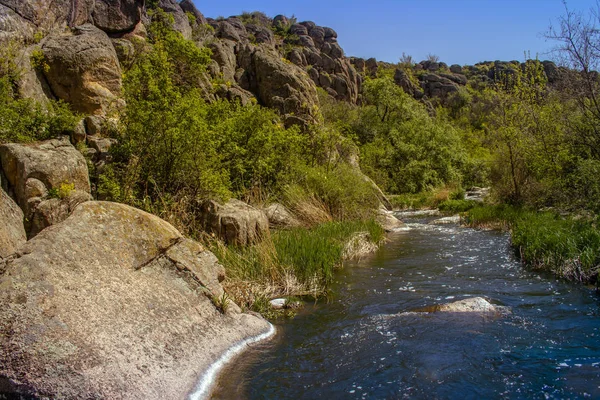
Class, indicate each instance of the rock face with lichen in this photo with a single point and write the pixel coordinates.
(33, 170)
(83, 69)
(113, 303)
(310, 48)
(12, 231)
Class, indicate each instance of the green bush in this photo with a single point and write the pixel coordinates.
(412, 201)
(23, 120)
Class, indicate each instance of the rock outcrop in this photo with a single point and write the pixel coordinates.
(282, 86)
(115, 16)
(180, 18)
(12, 231)
(32, 170)
(113, 303)
(83, 69)
(235, 222)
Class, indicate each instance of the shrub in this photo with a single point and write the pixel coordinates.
(38, 61)
(24, 120)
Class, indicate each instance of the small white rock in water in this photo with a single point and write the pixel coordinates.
(472, 305)
(278, 304)
(455, 219)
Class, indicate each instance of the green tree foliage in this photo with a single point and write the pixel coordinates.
(402, 147)
(172, 143)
(172, 140)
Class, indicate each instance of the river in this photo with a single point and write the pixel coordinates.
(363, 342)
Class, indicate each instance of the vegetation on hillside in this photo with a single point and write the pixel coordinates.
(535, 143)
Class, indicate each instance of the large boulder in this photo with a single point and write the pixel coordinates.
(12, 231)
(235, 222)
(32, 170)
(83, 69)
(388, 220)
(113, 303)
(117, 15)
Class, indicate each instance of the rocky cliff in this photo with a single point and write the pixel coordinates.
(277, 61)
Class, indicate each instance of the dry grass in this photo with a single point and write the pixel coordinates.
(359, 246)
(306, 207)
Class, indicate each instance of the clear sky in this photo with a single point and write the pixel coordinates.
(458, 31)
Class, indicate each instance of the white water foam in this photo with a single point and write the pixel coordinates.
(207, 380)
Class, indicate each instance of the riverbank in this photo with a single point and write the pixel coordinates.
(293, 263)
(366, 340)
(566, 245)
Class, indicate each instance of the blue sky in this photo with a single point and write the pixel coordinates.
(458, 31)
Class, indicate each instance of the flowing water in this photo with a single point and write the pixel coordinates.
(364, 343)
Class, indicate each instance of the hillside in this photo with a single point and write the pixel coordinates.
(164, 176)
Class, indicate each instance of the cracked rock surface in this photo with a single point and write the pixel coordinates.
(113, 303)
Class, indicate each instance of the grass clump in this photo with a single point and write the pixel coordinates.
(566, 246)
(296, 262)
(456, 206)
(317, 252)
(427, 199)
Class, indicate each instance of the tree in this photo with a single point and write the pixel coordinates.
(389, 99)
(578, 48)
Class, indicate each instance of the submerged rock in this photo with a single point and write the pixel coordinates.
(113, 303)
(477, 194)
(454, 219)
